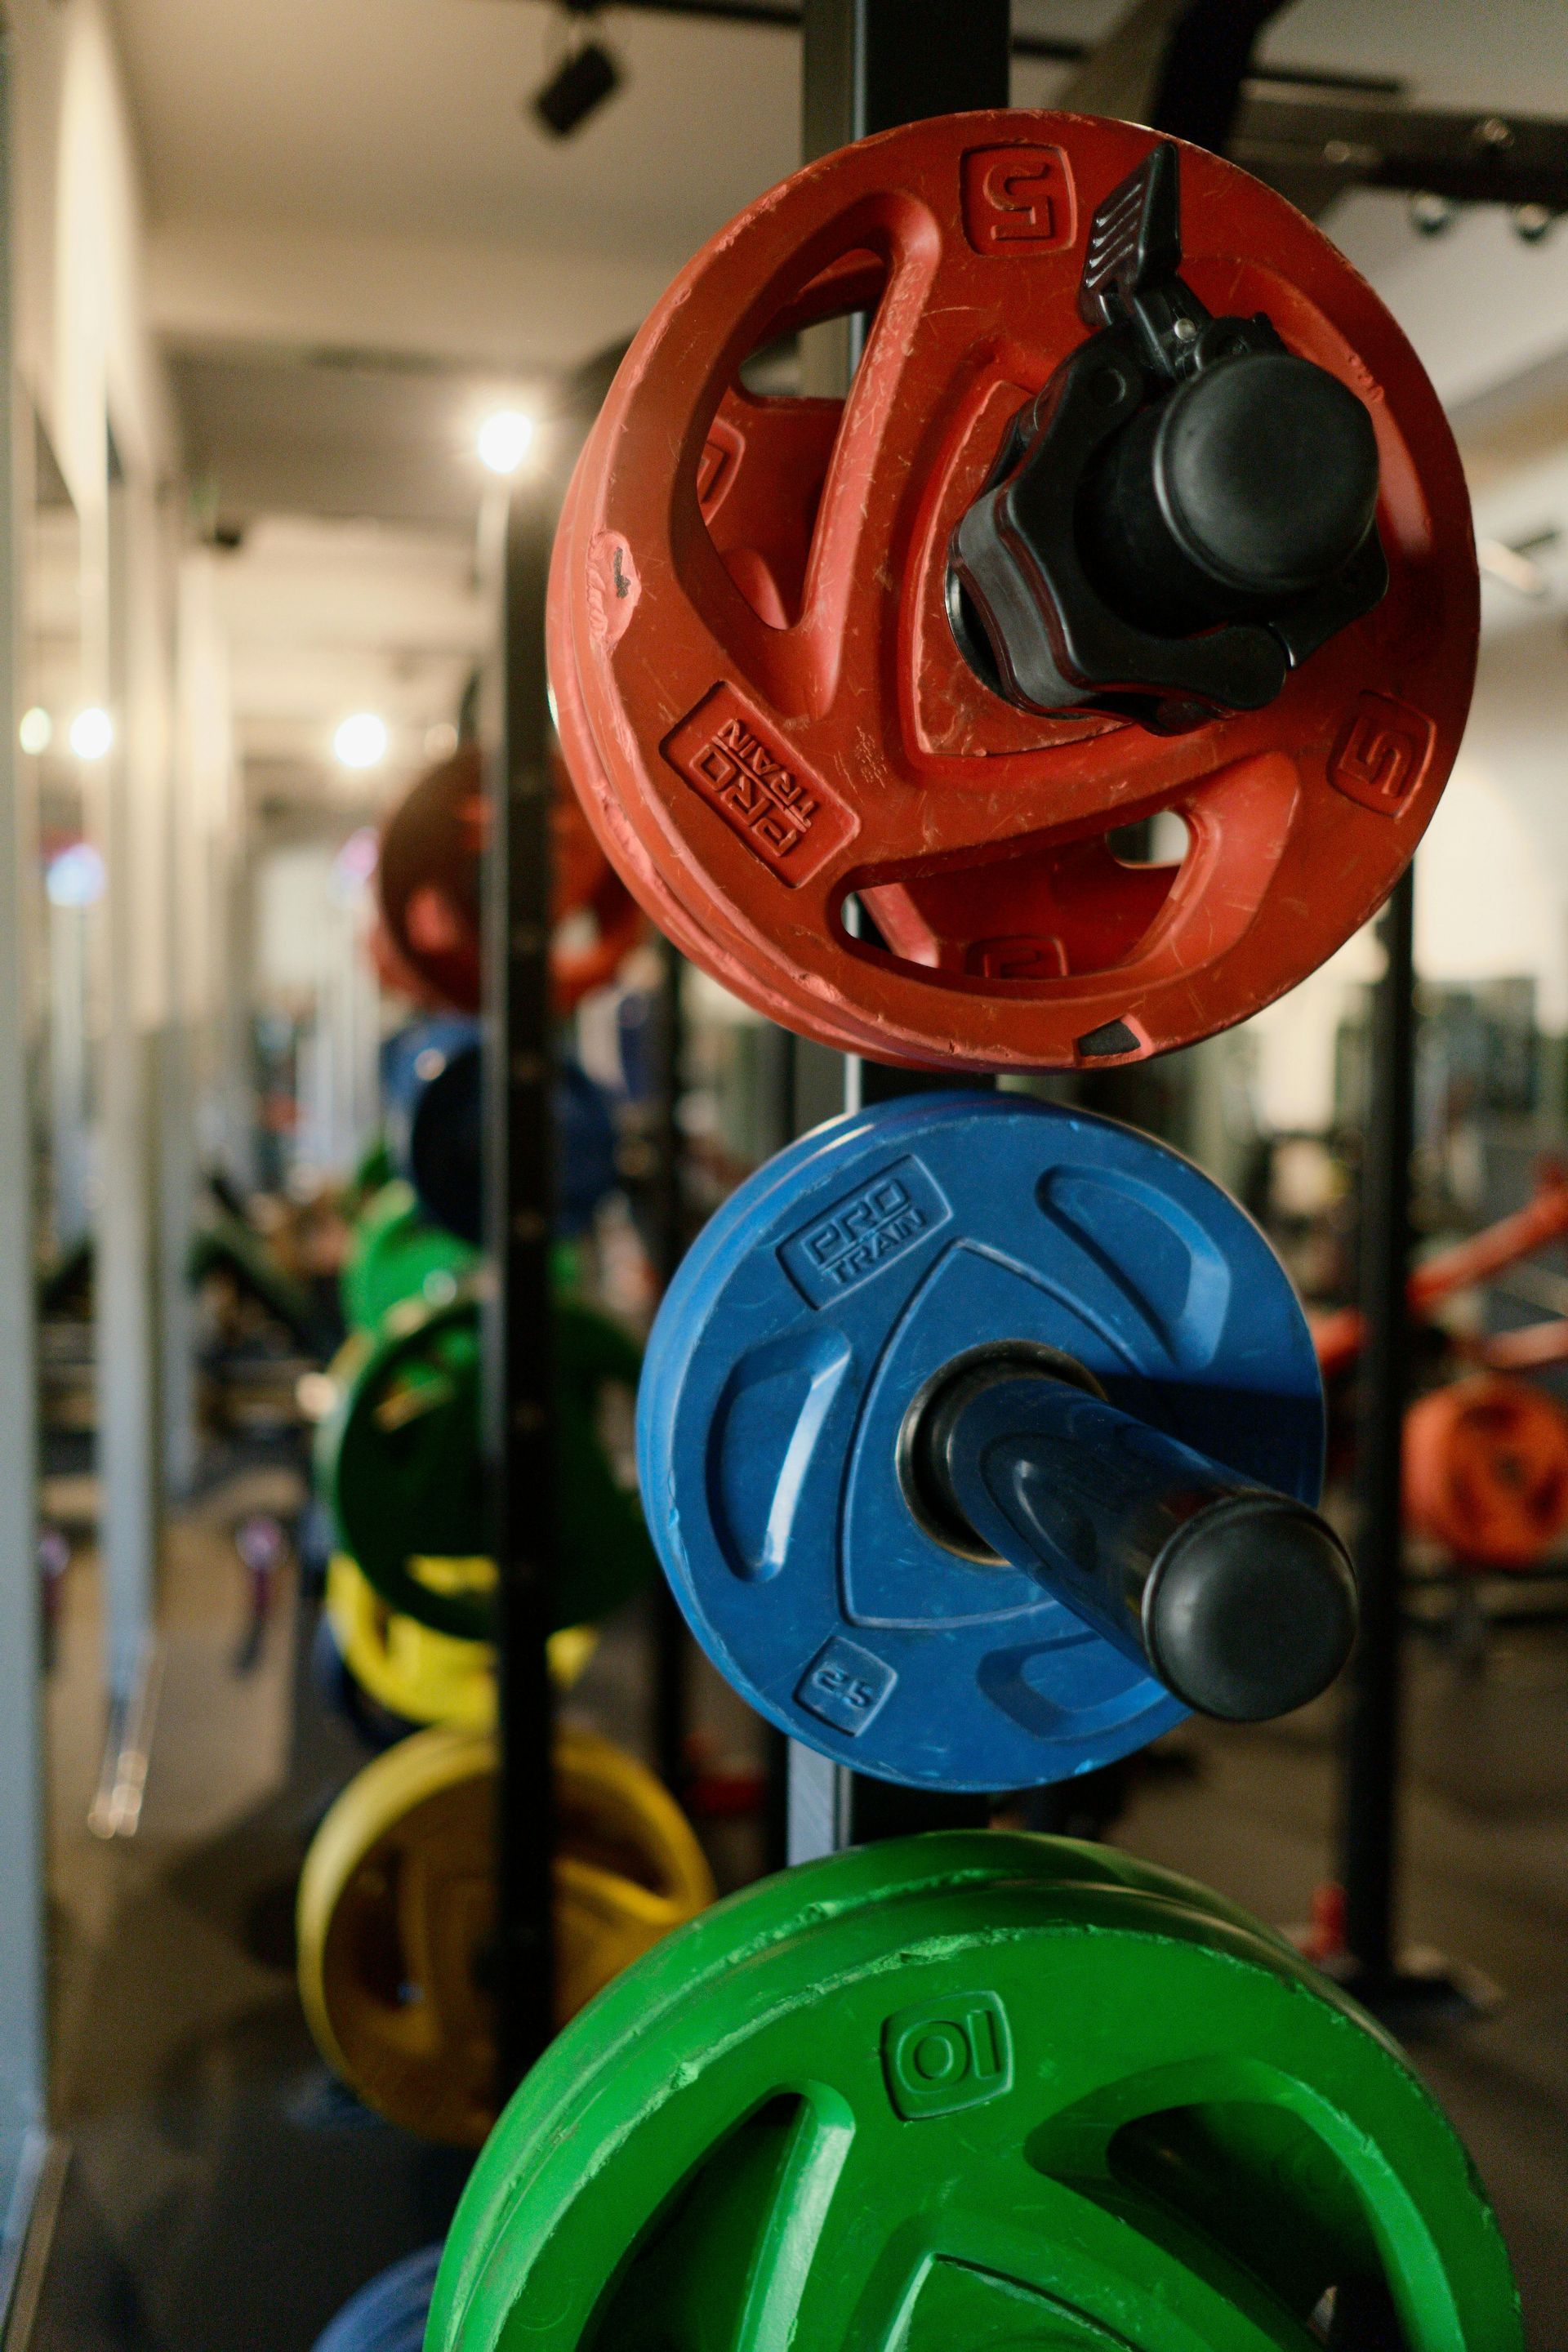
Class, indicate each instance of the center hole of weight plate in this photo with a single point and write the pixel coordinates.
(924, 1488)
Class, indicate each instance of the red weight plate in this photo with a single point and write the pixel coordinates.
(427, 879)
(759, 694)
(429, 885)
(615, 835)
(1486, 1471)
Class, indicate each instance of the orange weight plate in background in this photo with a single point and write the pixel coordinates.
(1486, 1471)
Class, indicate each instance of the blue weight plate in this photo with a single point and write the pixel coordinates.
(814, 1308)
(389, 2315)
(415, 1053)
(433, 1080)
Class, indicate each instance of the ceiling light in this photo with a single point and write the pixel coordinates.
(36, 732)
(360, 741)
(75, 879)
(93, 732)
(504, 440)
(585, 77)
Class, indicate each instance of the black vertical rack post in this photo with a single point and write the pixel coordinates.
(520, 1452)
(1371, 1731)
(1373, 1963)
(869, 66)
(671, 1642)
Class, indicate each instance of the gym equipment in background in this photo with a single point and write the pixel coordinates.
(1476, 1260)
(389, 2314)
(230, 1247)
(977, 1438)
(373, 1169)
(398, 1460)
(435, 1122)
(418, 1675)
(975, 2088)
(409, 1058)
(428, 883)
(435, 1117)
(858, 695)
(1486, 1471)
(396, 1906)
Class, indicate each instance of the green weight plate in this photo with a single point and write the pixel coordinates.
(972, 2091)
(374, 1170)
(397, 1255)
(399, 1463)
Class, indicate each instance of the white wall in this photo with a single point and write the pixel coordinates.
(81, 319)
(313, 911)
(1489, 906)
(87, 359)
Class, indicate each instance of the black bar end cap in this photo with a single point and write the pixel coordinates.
(1250, 1611)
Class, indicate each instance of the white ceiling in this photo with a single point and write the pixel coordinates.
(371, 167)
(360, 237)
(336, 434)
(367, 174)
(401, 116)
(361, 242)
(325, 619)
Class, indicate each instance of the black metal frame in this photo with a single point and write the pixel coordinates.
(1374, 1962)
(671, 1642)
(1346, 130)
(868, 65)
(1474, 157)
(1370, 1777)
(519, 1386)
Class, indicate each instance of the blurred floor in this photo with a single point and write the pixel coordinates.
(221, 2195)
(1485, 1882)
(221, 2198)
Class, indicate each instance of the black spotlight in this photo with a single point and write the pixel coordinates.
(583, 80)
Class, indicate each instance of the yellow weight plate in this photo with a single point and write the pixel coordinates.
(396, 1909)
(407, 1668)
(425, 1676)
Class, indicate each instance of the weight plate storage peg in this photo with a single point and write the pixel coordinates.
(974, 2089)
(861, 695)
(976, 1437)
(398, 1460)
(1486, 1471)
(396, 1909)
